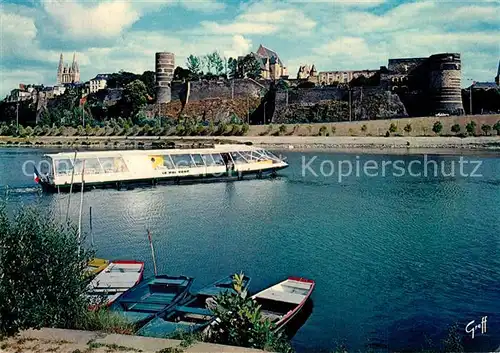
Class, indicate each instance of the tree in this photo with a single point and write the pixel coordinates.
(496, 127)
(42, 282)
(437, 127)
(217, 62)
(149, 80)
(232, 66)
(455, 128)
(240, 322)
(408, 128)
(486, 129)
(249, 66)
(471, 127)
(194, 64)
(393, 128)
(184, 74)
(134, 97)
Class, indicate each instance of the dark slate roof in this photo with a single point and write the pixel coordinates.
(268, 53)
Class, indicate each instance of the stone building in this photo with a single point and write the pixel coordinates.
(272, 68)
(308, 73)
(97, 83)
(426, 85)
(68, 74)
(335, 77)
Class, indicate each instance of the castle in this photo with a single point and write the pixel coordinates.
(271, 66)
(68, 74)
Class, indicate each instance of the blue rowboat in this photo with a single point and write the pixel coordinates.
(142, 302)
(192, 314)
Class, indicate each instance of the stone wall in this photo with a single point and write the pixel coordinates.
(223, 89)
(307, 96)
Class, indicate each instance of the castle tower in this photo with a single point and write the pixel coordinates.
(60, 69)
(445, 89)
(165, 65)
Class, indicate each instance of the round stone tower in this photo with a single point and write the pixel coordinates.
(445, 91)
(165, 66)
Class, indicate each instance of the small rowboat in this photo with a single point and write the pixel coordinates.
(114, 280)
(281, 302)
(141, 303)
(95, 266)
(192, 314)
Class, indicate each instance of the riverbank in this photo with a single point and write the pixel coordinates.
(342, 143)
(74, 341)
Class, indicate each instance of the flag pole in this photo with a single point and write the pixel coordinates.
(71, 188)
(152, 252)
(81, 205)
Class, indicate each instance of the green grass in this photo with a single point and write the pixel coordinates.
(106, 321)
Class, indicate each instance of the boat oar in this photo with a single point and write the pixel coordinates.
(152, 252)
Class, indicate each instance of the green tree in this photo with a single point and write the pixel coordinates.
(393, 128)
(217, 62)
(437, 127)
(240, 322)
(408, 128)
(148, 78)
(471, 127)
(194, 64)
(486, 129)
(496, 127)
(455, 128)
(42, 282)
(134, 97)
(249, 66)
(232, 66)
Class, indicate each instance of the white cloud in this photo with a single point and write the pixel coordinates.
(203, 5)
(236, 27)
(107, 19)
(352, 3)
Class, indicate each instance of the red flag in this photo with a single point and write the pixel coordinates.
(36, 176)
(83, 100)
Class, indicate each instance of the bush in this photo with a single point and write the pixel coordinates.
(437, 127)
(282, 129)
(471, 127)
(334, 130)
(393, 128)
(455, 128)
(240, 322)
(496, 127)
(387, 134)
(244, 129)
(322, 131)
(486, 129)
(364, 128)
(408, 128)
(42, 281)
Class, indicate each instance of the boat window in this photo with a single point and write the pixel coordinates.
(112, 164)
(182, 160)
(167, 162)
(208, 159)
(45, 166)
(198, 160)
(238, 158)
(63, 166)
(252, 156)
(218, 159)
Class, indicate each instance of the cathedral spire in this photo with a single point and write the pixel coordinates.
(60, 67)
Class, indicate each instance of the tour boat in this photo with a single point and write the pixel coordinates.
(141, 303)
(96, 265)
(192, 314)
(113, 281)
(281, 302)
(119, 168)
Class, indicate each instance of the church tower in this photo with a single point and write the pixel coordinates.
(60, 69)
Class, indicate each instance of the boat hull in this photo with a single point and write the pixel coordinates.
(170, 180)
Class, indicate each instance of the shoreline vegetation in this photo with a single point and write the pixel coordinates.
(481, 132)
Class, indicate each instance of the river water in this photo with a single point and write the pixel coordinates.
(396, 259)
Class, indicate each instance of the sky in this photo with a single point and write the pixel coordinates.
(112, 35)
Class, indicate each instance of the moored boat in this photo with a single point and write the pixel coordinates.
(95, 266)
(151, 167)
(192, 314)
(118, 277)
(282, 301)
(141, 303)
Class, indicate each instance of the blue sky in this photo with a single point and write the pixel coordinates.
(111, 35)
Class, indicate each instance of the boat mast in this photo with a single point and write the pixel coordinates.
(152, 252)
(91, 232)
(81, 205)
(71, 188)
